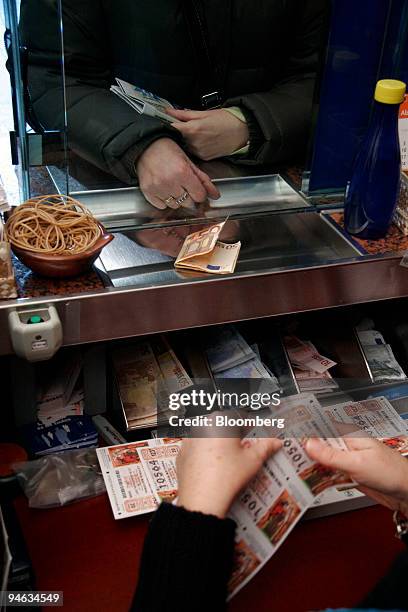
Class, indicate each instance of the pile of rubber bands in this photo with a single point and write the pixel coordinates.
(53, 224)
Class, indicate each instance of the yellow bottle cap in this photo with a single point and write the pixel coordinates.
(389, 91)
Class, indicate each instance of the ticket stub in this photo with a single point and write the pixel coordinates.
(139, 475)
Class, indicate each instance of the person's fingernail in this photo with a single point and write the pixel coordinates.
(313, 444)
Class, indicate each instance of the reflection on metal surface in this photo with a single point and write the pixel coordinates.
(145, 258)
(127, 208)
(118, 313)
(267, 193)
(127, 253)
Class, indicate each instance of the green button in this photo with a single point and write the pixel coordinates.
(35, 319)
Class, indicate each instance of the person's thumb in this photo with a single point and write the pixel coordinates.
(328, 456)
(262, 448)
(184, 115)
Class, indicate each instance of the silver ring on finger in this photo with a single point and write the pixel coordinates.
(169, 200)
(182, 198)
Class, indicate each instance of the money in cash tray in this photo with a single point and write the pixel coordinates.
(146, 371)
(203, 252)
(381, 360)
(311, 369)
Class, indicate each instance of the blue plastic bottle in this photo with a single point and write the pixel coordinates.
(373, 190)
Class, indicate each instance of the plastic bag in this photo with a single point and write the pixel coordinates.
(61, 478)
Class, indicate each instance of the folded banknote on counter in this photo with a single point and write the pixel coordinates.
(203, 252)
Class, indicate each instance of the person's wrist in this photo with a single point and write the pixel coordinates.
(207, 503)
(243, 136)
(401, 496)
(403, 503)
(162, 141)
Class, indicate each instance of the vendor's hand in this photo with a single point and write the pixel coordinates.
(210, 134)
(212, 471)
(165, 173)
(381, 473)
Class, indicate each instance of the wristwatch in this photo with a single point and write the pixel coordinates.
(401, 524)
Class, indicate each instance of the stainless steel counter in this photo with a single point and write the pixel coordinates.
(267, 282)
(126, 208)
(293, 259)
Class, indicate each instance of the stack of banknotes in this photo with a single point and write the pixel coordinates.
(381, 360)
(146, 372)
(311, 369)
(230, 356)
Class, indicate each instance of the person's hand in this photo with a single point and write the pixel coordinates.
(165, 174)
(210, 134)
(381, 473)
(212, 471)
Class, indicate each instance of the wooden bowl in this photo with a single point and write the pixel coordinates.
(63, 266)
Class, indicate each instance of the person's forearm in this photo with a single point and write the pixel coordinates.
(187, 559)
(279, 121)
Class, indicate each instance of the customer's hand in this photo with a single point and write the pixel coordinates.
(210, 134)
(165, 174)
(381, 473)
(212, 471)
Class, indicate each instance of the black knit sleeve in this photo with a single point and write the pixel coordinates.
(391, 591)
(186, 562)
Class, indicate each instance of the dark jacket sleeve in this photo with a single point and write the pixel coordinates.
(101, 128)
(391, 591)
(279, 120)
(187, 559)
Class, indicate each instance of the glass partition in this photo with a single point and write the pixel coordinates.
(91, 81)
(37, 82)
(367, 42)
(121, 64)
